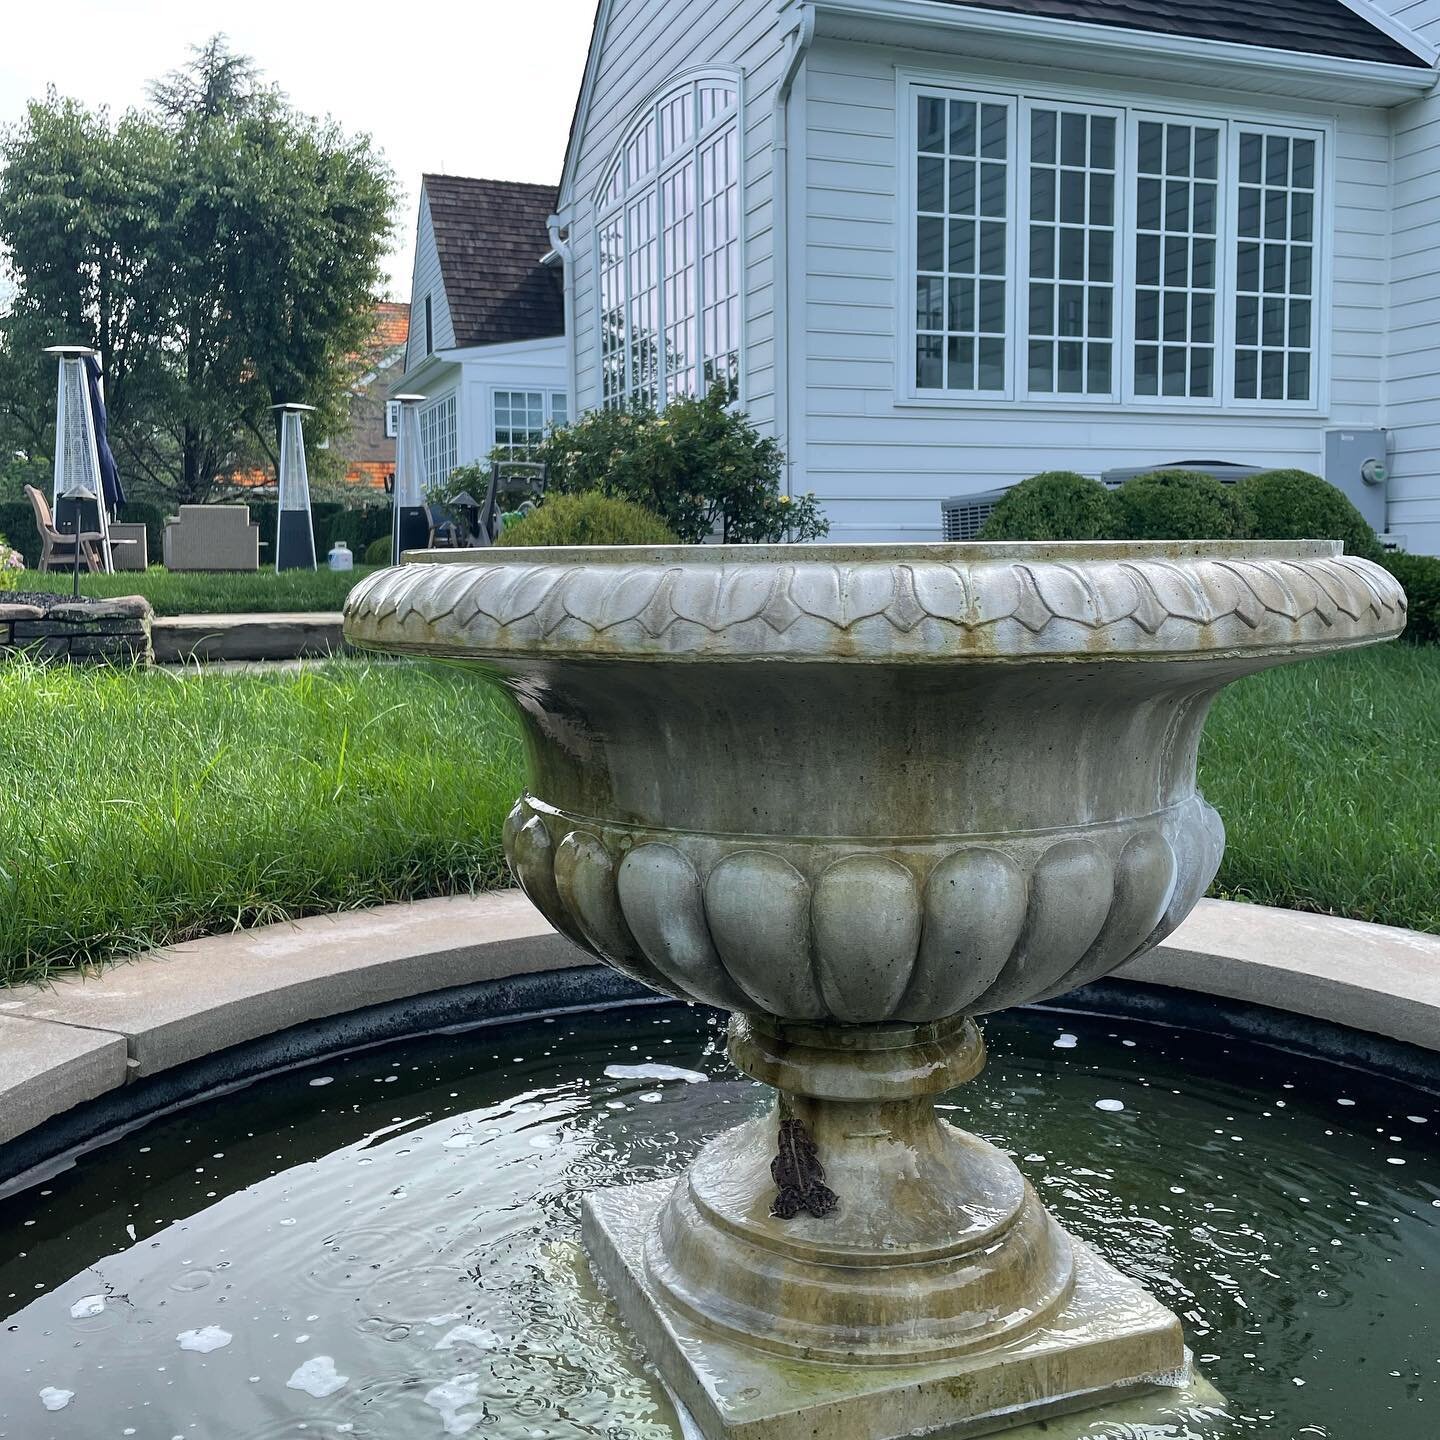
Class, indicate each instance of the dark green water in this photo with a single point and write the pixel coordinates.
(405, 1220)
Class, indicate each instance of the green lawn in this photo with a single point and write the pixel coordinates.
(191, 593)
(141, 808)
(1328, 777)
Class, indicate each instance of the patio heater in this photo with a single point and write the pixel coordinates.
(410, 529)
(76, 499)
(294, 531)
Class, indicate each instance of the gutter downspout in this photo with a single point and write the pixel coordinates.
(562, 248)
(800, 40)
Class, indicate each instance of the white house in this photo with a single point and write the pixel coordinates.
(944, 245)
(487, 321)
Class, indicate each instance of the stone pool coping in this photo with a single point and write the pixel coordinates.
(80, 1038)
(282, 635)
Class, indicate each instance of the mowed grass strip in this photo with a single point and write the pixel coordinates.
(143, 808)
(1327, 774)
(185, 592)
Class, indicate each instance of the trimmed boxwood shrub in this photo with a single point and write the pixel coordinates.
(377, 552)
(1295, 505)
(1054, 505)
(1179, 505)
(1420, 575)
(588, 519)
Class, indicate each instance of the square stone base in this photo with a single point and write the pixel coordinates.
(1111, 1342)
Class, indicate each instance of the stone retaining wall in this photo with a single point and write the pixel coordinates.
(115, 631)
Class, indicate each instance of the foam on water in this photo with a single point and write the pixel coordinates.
(54, 1399)
(210, 1337)
(655, 1072)
(318, 1377)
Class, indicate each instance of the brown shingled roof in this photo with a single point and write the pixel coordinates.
(490, 235)
(1313, 27)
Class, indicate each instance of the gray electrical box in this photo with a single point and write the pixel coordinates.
(1356, 462)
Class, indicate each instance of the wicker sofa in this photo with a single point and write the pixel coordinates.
(212, 537)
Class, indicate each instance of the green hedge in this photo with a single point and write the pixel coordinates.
(589, 518)
(1056, 505)
(357, 526)
(1295, 505)
(1420, 575)
(1178, 505)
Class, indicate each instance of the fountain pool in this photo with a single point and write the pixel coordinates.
(385, 1245)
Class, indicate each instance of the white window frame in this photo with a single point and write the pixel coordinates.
(1224, 259)
(1119, 271)
(430, 419)
(549, 397)
(1321, 319)
(613, 204)
(912, 233)
(910, 83)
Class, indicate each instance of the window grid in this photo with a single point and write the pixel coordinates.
(1074, 156)
(1276, 184)
(1177, 236)
(962, 208)
(438, 441)
(668, 258)
(519, 421)
(1276, 281)
(677, 198)
(720, 257)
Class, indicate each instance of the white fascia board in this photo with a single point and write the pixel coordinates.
(434, 367)
(507, 348)
(1068, 44)
(582, 107)
(1397, 30)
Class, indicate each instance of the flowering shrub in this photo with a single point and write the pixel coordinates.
(12, 562)
(698, 464)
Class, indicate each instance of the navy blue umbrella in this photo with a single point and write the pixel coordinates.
(109, 472)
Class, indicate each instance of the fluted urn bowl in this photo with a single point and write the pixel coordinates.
(857, 795)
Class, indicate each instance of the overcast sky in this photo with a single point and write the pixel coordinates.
(479, 88)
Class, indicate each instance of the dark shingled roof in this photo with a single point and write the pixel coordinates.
(490, 235)
(1315, 27)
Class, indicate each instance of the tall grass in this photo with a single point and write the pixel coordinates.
(1327, 775)
(184, 592)
(142, 808)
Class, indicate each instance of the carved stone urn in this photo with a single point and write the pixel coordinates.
(858, 796)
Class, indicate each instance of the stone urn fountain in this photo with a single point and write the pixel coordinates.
(860, 796)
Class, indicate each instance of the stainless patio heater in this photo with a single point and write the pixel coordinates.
(76, 499)
(294, 530)
(410, 529)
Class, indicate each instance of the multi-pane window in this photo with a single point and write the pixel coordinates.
(720, 256)
(668, 249)
(1072, 252)
(439, 441)
(1045, 300)
(521, 418)
(1275, 266)
(962, 205)
(1177, 217)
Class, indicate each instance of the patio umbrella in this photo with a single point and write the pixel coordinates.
(111, 487)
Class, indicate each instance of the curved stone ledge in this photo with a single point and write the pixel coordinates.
(924, 604)
(79, 1038)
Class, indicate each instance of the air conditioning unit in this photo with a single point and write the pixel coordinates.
(963, 516)
(1226, 471)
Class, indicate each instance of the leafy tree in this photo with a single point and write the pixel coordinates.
(699, 465)
(221, 251)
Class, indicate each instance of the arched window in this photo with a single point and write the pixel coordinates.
(668, 247)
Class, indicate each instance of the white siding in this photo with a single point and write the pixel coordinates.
(1413, 374)
(1420, 16)
(528, 365)
(644, 45)
(881, 468)
(426, 281)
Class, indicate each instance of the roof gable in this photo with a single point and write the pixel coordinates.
(489, 238)
(1314, 27)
